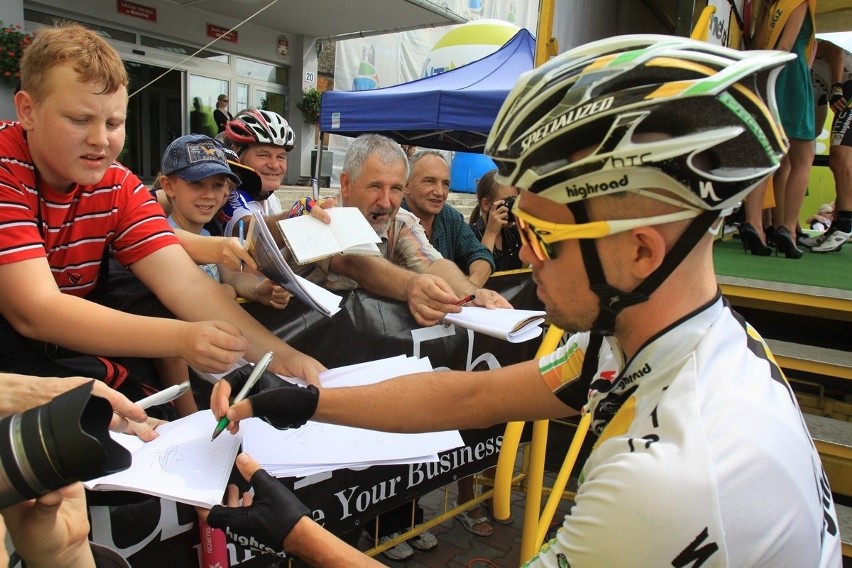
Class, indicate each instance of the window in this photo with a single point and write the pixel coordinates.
(262, 71)
(181, 49)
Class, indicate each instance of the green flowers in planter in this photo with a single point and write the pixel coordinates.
(12, 44)
(310, 105)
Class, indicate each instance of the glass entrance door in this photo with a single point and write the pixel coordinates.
(203, 94)
(154, 117)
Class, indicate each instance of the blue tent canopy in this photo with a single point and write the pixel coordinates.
(453, 110)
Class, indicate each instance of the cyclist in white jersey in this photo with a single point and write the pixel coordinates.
(628, 153)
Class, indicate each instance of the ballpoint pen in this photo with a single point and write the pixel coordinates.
(164, 396)
(242, 232)
(465, 300)
(250, 382)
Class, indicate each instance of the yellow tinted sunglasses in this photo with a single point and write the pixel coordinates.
(539, 234)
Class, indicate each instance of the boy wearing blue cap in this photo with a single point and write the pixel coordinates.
(197, 179)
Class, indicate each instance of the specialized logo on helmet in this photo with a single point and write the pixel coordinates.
(560, 122)
(588, 189)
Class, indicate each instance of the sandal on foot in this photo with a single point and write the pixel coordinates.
(475, 525)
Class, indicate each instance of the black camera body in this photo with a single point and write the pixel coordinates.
(53, 445)
(509, 202)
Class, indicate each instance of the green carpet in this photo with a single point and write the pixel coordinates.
(828, 270)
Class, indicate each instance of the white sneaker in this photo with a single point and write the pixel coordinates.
(832, 241)
(424, 541)
(813, 241)
(399, 552)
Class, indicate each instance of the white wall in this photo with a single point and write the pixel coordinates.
(576, 22)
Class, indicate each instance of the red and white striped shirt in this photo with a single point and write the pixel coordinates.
(78, 226)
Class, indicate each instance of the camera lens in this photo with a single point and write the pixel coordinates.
(509, 202)
(50, 446)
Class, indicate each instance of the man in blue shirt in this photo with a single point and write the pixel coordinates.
(426, 195)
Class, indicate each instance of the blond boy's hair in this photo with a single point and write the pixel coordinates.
(89, 54)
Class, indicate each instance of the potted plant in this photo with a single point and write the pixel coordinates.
(12, 44)
(310, 105)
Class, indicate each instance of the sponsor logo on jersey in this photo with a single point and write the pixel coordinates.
(560, 122)
(646, 370)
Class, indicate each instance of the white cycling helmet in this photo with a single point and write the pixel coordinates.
(255, 126)
(709, 100)
(714, 107)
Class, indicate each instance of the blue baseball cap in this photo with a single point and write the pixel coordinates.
(195, 157)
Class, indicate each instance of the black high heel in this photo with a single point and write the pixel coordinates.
(770, 236)
(751, 241)
(784, 243)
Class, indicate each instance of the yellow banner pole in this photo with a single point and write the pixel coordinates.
(546, 46)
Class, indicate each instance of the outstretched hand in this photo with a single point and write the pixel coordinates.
(490, 299)
(261, 521)
(270, 294)
(430, 298)
(212, 346)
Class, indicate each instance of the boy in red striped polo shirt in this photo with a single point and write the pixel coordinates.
(64, 200)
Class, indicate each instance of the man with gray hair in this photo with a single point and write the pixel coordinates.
(373, 178)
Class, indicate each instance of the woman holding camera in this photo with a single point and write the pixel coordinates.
(494, 224)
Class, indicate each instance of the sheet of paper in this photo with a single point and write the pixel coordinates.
(182, 464)
(316, 443)
(317, 447)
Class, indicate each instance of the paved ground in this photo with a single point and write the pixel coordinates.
(458, 548)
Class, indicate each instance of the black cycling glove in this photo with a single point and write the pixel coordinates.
(276, 401)
(264, 524)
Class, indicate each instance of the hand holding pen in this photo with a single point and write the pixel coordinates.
(466, 300)
(273, 399)
(255, 375)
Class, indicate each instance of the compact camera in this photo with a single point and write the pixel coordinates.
(53, 445)
(509, 202)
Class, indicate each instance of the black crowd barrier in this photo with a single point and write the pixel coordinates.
(153, 531)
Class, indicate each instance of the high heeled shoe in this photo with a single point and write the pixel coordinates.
(752, 242)
(785, 243)
(770, 236)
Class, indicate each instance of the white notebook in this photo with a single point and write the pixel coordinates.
(182, 464)
(309, 239)
(514, 326)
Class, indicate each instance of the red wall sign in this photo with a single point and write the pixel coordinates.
(220, 32)
(137, 10)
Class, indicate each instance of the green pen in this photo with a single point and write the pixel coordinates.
(255, 375)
